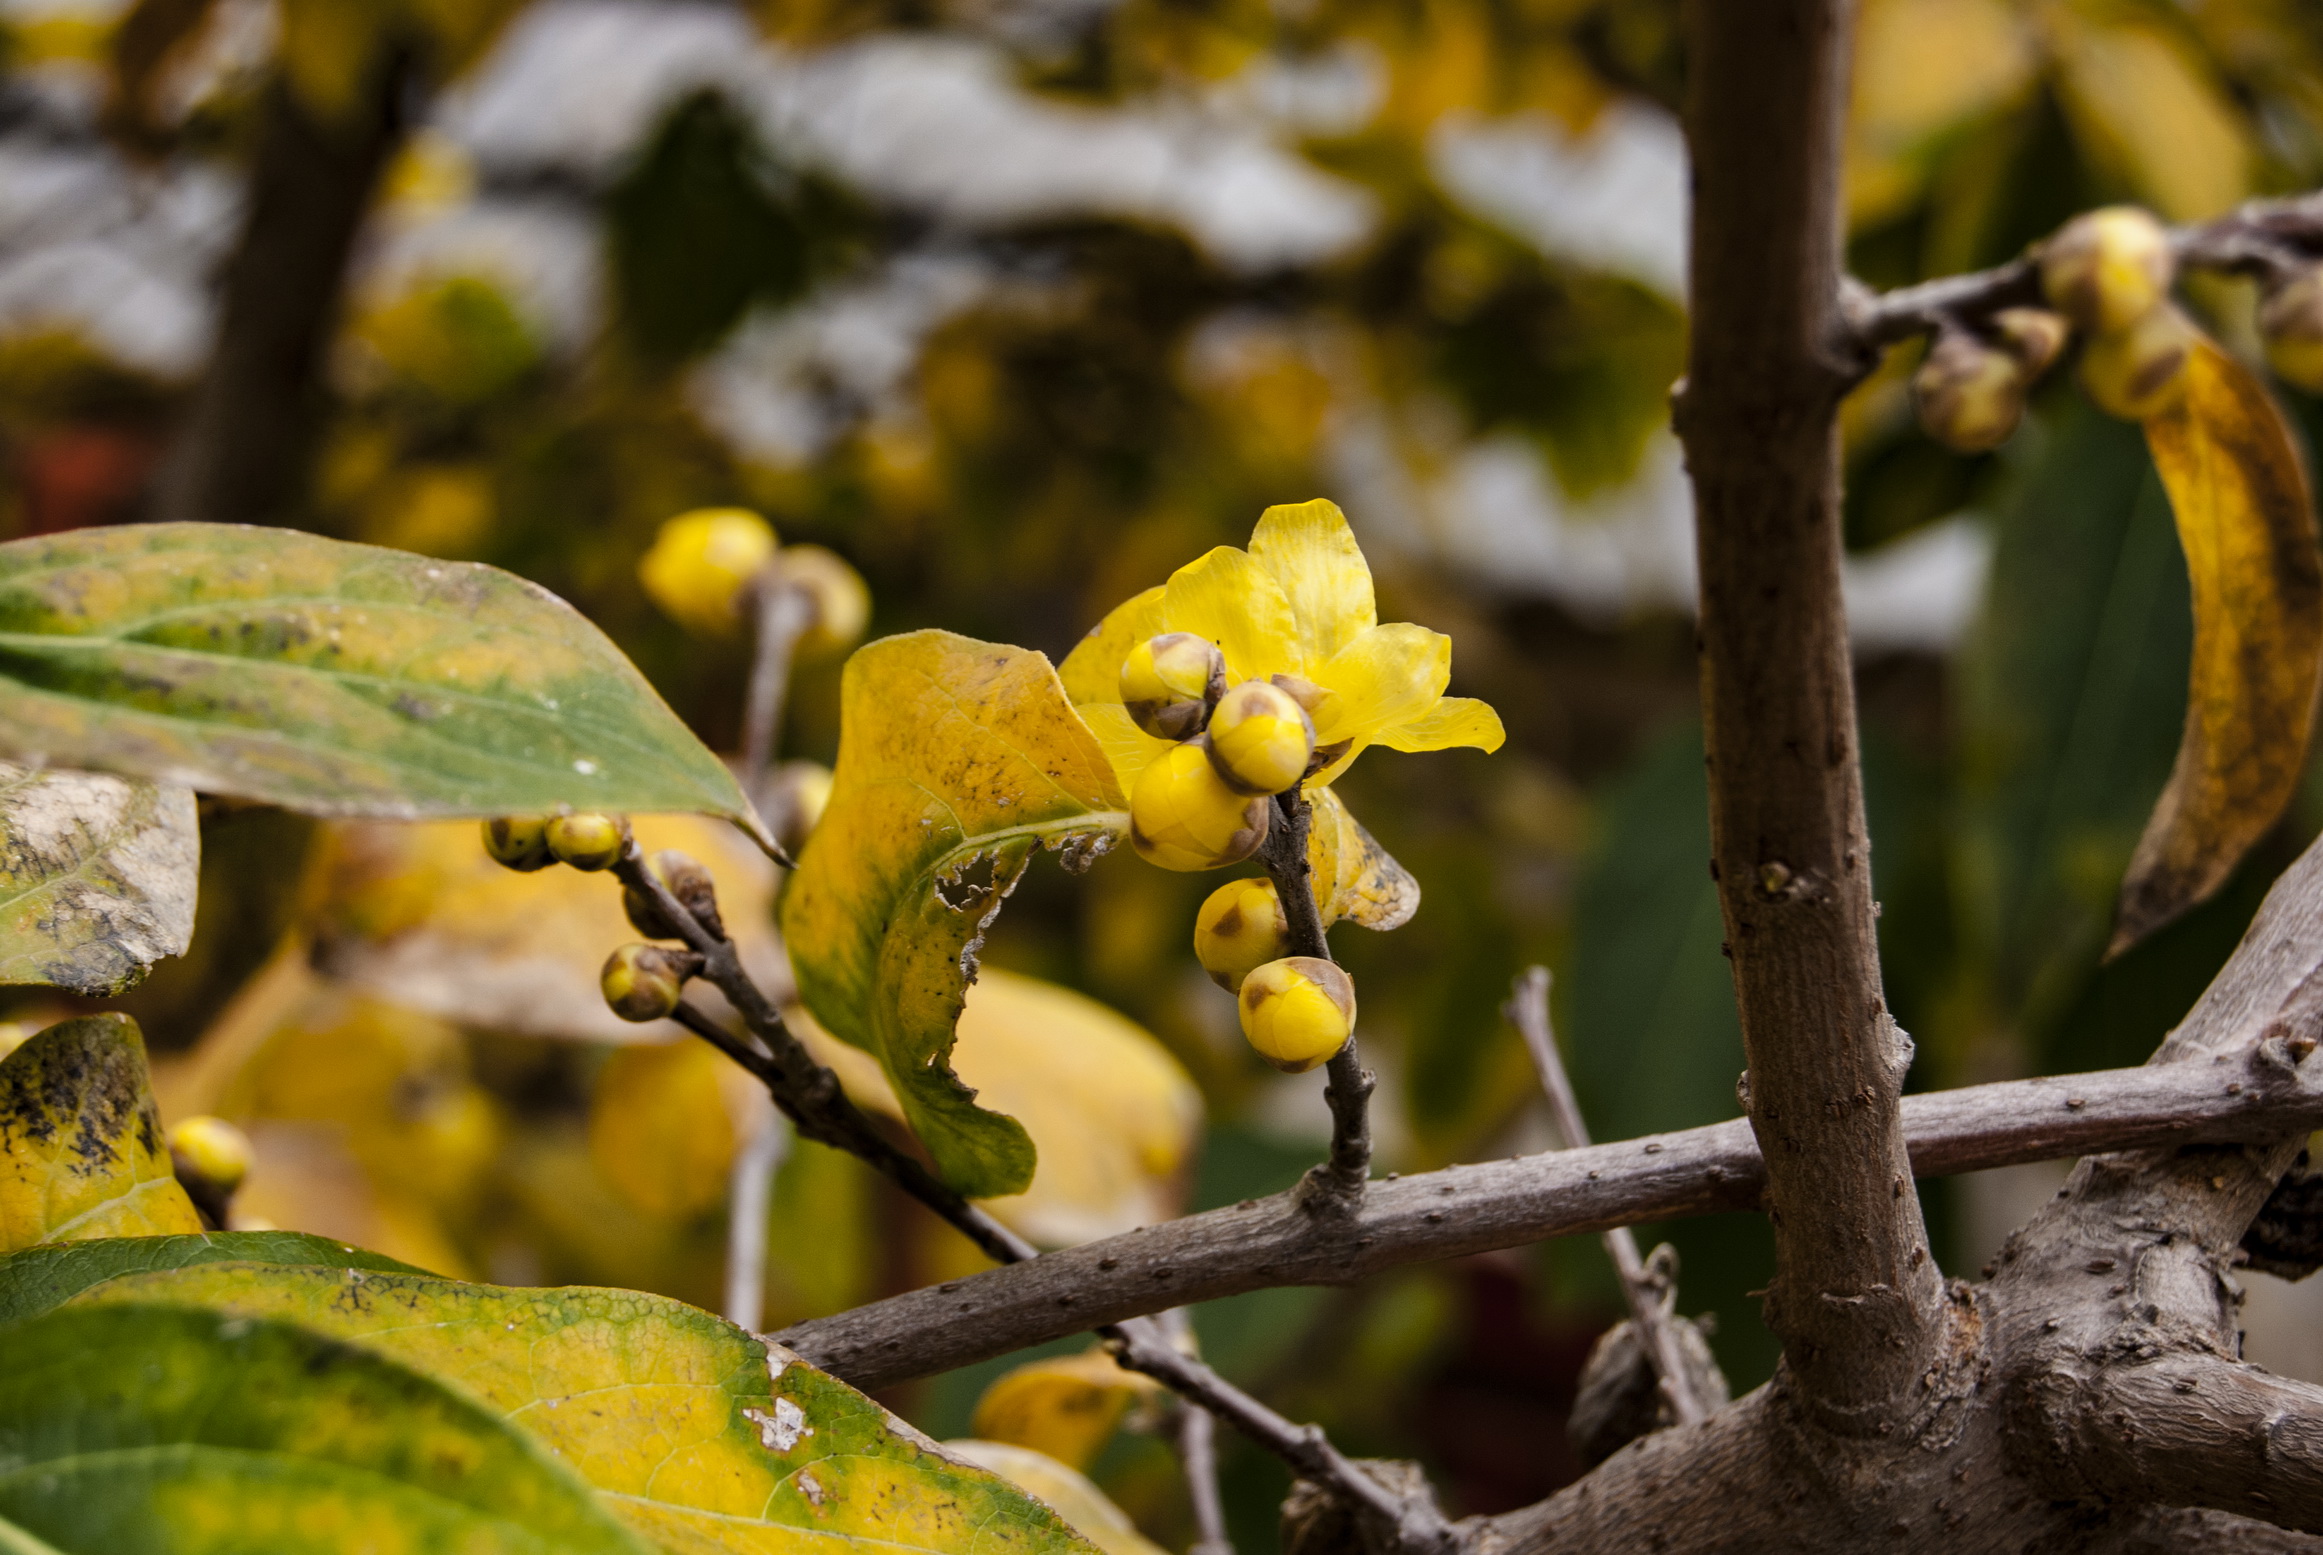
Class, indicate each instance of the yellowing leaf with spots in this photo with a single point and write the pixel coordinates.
(97, 878)
(81, 1152)
(329, 678)
(129, 1428)
(696, 1435)
(958, 760)
(2246, 520)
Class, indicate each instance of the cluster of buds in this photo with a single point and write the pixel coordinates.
(1971, 387)
(1202, 804)
(2109, 272)
(704, 566)
(586, 841)
(1296, 1010)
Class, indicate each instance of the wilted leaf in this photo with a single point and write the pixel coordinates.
(1066, 1406)
(957, 760)
(2247, 524)
(39, 1279)
(168, 1428)
(694, 1433)
(1065, 1490)
(661, 1128)
(81, 1152)
(1354, 877)
(329, 678)
(422, 916)
(97, 878)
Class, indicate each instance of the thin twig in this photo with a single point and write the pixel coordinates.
(1649, 1303)
(1339, 1183)
(750, 1193)
(782, 612)
(1198, 1457)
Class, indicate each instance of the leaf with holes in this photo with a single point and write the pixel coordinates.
(97, 878)
(2247, 523)
(81, 1152)
(330, 678)
(958, 760)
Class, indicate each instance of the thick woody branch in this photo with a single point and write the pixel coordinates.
(1339, 1182)
(1461, 1210)
(1856, 1298)
(2197, 1430)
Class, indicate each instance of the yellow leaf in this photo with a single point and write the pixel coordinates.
(1064, 1490)
(81, 1153)
(661, 1126)
(1354, 877)
(2247, 524)
(957, 760)
(2149, 113)
(1066, 1406)
(1922, 68)
(1113, 1116)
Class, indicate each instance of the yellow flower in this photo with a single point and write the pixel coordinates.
(1297, 603)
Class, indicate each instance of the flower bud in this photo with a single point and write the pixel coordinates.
(1183, 816)
(1239, 928)
(2107, 269)
(701, 562)
(588, 841)
(685, 879)
(1260, 739)
(520, 842)
(1169, 684)
(211, 1151)
(2034, 336)
(1297, 1011)
(1970, 395)
(2136, 372)
(644, 982)
(842, 603)
(2290, 319)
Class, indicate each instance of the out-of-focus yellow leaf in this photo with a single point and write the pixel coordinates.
(1923, 67)
(957, 761)
(420, 915)
(1066, 1406)
(694, 1434)
(1354, 877)
(304, 1178)
(81, 1152)
(1112, 1114)
(2247, 524)
(2147, 111)
(1065, 1490)
(662, 1127)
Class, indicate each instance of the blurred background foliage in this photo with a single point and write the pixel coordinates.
(1017, 305)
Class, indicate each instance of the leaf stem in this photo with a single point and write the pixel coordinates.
(1337, 1185)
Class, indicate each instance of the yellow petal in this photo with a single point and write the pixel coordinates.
(1451, 723)
(1312, 555)
(1386, 677)
(1230, 599)
(1129, 748)
(1092, 671)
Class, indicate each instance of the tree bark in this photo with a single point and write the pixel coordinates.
(242, 453)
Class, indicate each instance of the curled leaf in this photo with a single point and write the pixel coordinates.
(2246, 521)
(1354, 877)
(81, 1152)
(1066, 1406)
(957, 761)
(97, 878)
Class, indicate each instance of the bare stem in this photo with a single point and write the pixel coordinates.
(1340, 1181)
(782, 613)
(1198, 1460)
(1649, 1309)
(750, 1192)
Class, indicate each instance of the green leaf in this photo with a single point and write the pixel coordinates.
(2239, 491)
(330, 678)
(694, 1433)
(957, 760)
(81, 1152)
(133, 1429)
(40, 1279)
(97, 878)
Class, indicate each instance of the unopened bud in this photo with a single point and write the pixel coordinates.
(588, 841)
(645, 982)
(519, 842)
(1183, 816)
(684, 878)
(841, 601)
(2034, 336)
(1169, 684)
(1241, 927)
(2139, 371)
(2290, 320)
(2107, 269)
(1260, 739)
(1970, 395)
(1297, 1011)
(702, 561)
(212, 1150)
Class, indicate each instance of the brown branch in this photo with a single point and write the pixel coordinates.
(1856, 1297)
(2198, 1430)
(1650, 1316)
(1263, 1243)
(1339, 1183)
(782, 611)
